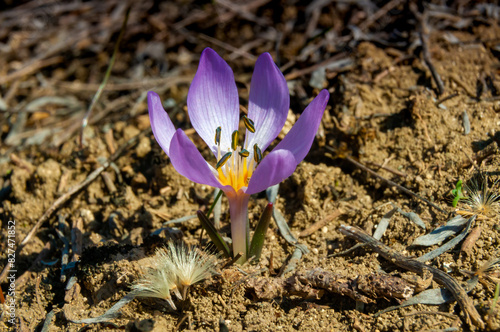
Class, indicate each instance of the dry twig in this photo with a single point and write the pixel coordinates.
(470, 312)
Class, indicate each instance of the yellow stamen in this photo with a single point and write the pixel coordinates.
(237, 171)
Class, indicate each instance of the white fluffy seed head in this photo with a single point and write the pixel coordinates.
(174, 270)
(191, 265)
(158, 279)
(482, 199)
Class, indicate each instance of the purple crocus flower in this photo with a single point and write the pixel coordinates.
(240, 170)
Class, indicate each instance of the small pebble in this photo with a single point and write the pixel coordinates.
(87, 215)
(143, 122)
(130, 131)
(139, 181)
(144, 147)
(466, 122)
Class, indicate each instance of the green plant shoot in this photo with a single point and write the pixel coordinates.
(457, 193)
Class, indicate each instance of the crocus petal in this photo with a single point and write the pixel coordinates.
(162, 126)
(213, 100)
(274, 168)
(299, 139)
(188, 161)
(269, 102)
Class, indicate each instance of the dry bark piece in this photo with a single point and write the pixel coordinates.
(306, 291)
(385, 286)
(470, 240)
(420, 283)
(314, 283)
(334, 283)
(270, 288)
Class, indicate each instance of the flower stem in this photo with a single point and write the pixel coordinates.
(238, 208)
